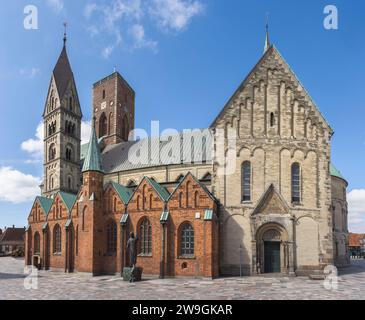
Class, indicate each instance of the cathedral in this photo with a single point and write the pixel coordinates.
(276, 204)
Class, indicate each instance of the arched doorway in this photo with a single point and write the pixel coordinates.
(272, 249)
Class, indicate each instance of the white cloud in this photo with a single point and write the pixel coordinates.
(85, 131)
(30, 73)
(137, 32)
(56, 5)
(17, 187)
(34, 146)
(356, 207)
(127, 19)
(175, 14)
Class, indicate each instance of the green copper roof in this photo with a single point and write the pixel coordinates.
(69, 199)
(45, 203)
(335, 172)
(124, 193)
(93, 159)
(162, 192)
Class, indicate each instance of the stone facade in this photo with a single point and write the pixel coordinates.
(277, 206)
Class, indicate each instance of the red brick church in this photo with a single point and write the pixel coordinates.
(84, 217)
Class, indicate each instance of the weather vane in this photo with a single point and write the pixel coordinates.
(65, 34)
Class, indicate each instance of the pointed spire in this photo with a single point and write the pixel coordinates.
(92, 160)
(267, 40)
(62, 72)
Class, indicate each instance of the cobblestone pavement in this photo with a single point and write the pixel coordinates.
(57, 285)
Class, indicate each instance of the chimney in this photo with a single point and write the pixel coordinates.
(13, 226)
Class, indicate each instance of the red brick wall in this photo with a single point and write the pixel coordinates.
(118, 105)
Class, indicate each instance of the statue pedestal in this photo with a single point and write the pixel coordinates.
(127, 273)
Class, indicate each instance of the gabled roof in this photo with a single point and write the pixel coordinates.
(12, 235)
(45, 203)
(92, 160)
(354, 239)
(265, 201)
(62, 73)
(124, 193)
(336, 173)
(68, 199)
(202, 185)
(271, 50)
(162, 191)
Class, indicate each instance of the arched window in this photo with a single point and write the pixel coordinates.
(52, 152)
(146, 237)
(57, 239)
(295, 182)
(69, 153)
(144, 197)
(110, 129)
(114, 204)
(187, 240)
(37, 243)
(103, 126)
(69, 183)
(104, 94)
(83, 218)
(246, 181)
(272, 119)
(196, 199)
(111, 238)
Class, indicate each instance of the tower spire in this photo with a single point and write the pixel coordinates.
(267, 40)
(65, 34)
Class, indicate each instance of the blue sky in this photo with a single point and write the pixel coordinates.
(184, 58)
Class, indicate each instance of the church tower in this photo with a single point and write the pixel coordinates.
(62, 130)
(113, 108)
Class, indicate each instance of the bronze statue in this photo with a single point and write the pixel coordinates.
(132, 247)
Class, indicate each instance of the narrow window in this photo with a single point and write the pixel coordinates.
(295, 182)
(111, 238)
(57, 238)
(272, 119)
(246, 181)
(37, 243)
(187, 240)
(103, 94)
(146, 237)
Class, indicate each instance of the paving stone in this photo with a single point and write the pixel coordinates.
(78, 286)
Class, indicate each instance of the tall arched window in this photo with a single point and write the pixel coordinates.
(103, 125)
(272, 119)
(69, 183)
(246, 181)
(69, 153)
(77, 240)
(70, 103)
(57, 239)
(146, 237)
(144, 197)
(295, 182)
(111, 238)
(187, 240)
(37, 243)
(52, 152)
